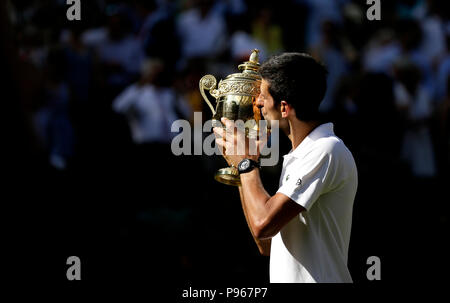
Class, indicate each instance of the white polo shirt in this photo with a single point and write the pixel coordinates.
(320, 175)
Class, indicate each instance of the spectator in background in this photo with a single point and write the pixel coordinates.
(32, 46)
(266, 31)
(52, 122)
(230, 7)
(433, 42)
(80, 64)
(381, 52)
(187, 84)
(411, 9)
(415, 102)
(242, 42)
(202, 31)
(120, 53)
(388, 46)
(318, 12)
(410, 35)
(443, 70)
(151, 105)
(158, 31)
(328, 50)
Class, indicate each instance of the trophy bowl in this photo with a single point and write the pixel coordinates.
(236, 100)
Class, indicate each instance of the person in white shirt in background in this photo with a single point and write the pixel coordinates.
(305, 227)
(151, 108)
(202, 31)
(119, 52)
(414, 100)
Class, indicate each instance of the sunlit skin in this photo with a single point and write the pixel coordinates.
(265, 214)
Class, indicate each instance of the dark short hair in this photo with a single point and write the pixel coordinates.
(298, 79)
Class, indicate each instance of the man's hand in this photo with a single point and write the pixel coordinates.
(234, 144)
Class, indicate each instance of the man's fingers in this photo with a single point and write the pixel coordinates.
(229, 149)
(226, 148)
(233, 140)
(226, 121)
(227, 138)
(229, 125)
(221, 145)
(219, 132)
(233, 127)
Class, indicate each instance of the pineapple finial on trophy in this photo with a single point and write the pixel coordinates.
(252, 65)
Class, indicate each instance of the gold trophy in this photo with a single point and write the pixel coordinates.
(236, 100)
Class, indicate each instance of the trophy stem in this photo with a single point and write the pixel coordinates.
(228, 176)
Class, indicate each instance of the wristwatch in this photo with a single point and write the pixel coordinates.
(247, 165)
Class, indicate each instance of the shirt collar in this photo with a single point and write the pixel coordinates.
(321, 131)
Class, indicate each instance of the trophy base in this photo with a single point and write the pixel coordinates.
(228, 176)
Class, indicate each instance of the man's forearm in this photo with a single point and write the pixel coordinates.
(255, 200)
(266, 215)
(263, 245)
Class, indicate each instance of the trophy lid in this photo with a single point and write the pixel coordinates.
(245, 83)
(251, 66)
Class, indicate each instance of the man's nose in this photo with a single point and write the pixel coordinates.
(259, 102)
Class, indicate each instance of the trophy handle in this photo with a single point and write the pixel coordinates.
(208, 82)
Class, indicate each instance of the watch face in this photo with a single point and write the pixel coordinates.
(245, 164)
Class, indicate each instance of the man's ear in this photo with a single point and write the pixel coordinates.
(284, 109)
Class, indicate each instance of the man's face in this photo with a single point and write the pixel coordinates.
(267, 104)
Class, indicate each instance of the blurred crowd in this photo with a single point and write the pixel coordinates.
(101, 95)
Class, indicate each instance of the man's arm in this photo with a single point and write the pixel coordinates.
(263, 245)
(265, 215)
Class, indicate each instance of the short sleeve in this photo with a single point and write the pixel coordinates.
(125, 99)
(307, 179)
